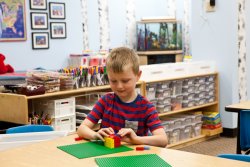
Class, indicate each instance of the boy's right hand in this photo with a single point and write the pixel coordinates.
(104, 132)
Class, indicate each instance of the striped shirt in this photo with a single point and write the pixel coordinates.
(140, 115)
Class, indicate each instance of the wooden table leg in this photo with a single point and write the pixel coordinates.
(238, 149)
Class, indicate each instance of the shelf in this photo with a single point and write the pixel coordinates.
(164, 52)
(15, 108)
(183, 77)
(185, 141)
(212, 132)
(188, 109)
(72, 92)
(158, 20)
(206, 134)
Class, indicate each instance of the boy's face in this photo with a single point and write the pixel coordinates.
(123, 84)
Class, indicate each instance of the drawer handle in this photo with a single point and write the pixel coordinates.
(157, 72)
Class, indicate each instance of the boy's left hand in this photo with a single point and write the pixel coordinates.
(128, 135)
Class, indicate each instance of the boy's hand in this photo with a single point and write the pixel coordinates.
(97, 136)
(128, 135)
(104, 132)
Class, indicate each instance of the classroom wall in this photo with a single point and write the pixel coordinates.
(213, 37)
(21, 55)
(117, 18)
(216, 39)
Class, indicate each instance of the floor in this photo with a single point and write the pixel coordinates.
(213, 147)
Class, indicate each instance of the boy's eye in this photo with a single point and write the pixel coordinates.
(125, 81)
(113, 81)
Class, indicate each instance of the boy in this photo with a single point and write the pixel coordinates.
(124, 112)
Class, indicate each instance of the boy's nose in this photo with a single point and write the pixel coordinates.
(119, 85)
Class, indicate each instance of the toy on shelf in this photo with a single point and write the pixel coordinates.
(112, 141)
(5, 68)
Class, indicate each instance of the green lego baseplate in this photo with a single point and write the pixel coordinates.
(145, 160)
(91, 149)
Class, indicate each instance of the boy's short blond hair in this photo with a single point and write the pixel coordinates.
(122, 57)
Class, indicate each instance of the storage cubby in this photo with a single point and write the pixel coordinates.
(177, 98)
(190, 94)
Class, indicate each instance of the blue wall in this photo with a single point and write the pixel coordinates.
(21, 56)
(214, 38)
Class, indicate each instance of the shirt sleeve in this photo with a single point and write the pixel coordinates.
(97, 112)
(153, 121)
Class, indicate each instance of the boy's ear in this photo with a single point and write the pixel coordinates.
(139, 75)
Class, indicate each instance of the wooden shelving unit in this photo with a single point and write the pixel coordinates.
(212, 106)
(16, 108)
(144, 55)
(189, 109)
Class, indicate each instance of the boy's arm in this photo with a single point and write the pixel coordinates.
(85, 131)
(159, 137)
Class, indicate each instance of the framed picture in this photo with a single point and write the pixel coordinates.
(38, 4)
(40, 40)
(12, 20)
(57, 30)
(57, 10)
(39, 21)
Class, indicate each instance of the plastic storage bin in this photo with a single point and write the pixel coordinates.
(187, 103)
(160, 108)
(210, 86)
(163, 85)
(201, 95)
(210, 99)
(67, 123)
(188, 96)
(176, 87)
(211, 93)
(174, 135)
(56, 108)
(199, 101)
(185, 119)
(200, 87)
(200, 80)
(196, 129)
(151, 91)
(188, 89)
(164, 100)
(197, 118)
(168, 123)
(176, 102)
(185, 132)
(210, 78)
(168, 131)
(188, 82)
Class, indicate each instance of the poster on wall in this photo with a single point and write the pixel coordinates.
(12, 20)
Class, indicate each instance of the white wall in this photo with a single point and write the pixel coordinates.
(21, 56)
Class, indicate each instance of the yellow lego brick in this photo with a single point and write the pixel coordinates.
(109, 142)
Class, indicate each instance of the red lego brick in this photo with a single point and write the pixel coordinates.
(139, 148)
